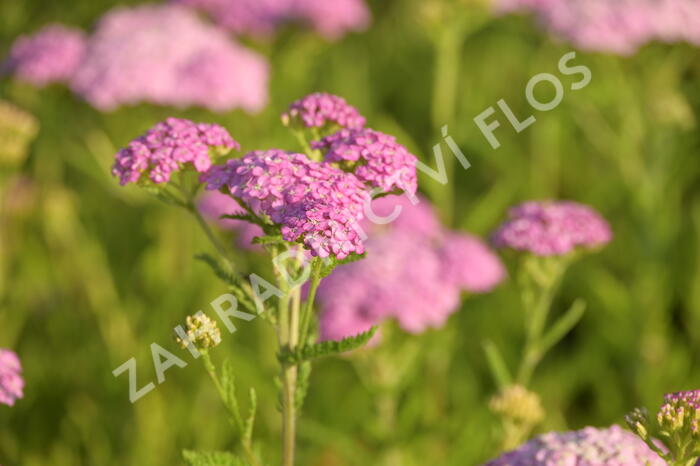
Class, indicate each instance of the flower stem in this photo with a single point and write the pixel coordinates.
(448, 49)
(288, 335)
(209, 233)
(308, 308)
(543, 284)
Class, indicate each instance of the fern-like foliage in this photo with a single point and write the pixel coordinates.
(325, 348)
(331, 263)
(235, 282)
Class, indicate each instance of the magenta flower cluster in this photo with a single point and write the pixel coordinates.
(51, 55)
(314, 202)
(169, 147)
(414, 272)
(615, 26)
(11, 382)
(613, 446)
(331, 19)
(320, 109)
(375, 158)
(168, 56)
(552, 228)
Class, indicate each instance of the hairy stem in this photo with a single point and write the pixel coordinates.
(288, 336)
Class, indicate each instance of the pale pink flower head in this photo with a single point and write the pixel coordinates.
(613, 446)
(414, 272)
(375, 158)
(614, 26)
(551, 228)
(11, 381)
(214, 204)
(51, 55)
(470, 264)
(320, 109)
(331, 19)
(170, 146)
(167, 55)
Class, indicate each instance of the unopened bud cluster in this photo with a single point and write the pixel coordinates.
(202, 332)
(676, 426)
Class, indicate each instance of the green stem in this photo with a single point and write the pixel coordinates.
(311, 153)
(537, 312)
(448, 49)
(308, 309)
(288, 334)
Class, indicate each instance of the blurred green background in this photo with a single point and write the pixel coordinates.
(91, 274)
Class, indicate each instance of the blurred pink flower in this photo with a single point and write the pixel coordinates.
(587, 447)
(50, 55)
(11, 382)
(615, 26)
(166, 55)
(414, 272)
(552, 228)
(331, 19)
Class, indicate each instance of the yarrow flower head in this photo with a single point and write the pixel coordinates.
(375, 158)
(11, 382)
(552, 228)
(615, 26)
(202, 332)
(409, 273)
(167, 55)
(263, 17)
(17, 129)
(320, 110)
(313, 203)
(51, 55)
(169, 147)
(587, 447)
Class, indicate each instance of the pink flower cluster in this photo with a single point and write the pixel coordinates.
(11, 382)
(320, 109)
(169, 147)
(414, 272)
(51, 55)
(587, 447)
(314, 203)
(616, 26)
(375, 158)
(552, 228)
(166, 55)
(214, 204)
(331, 19)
